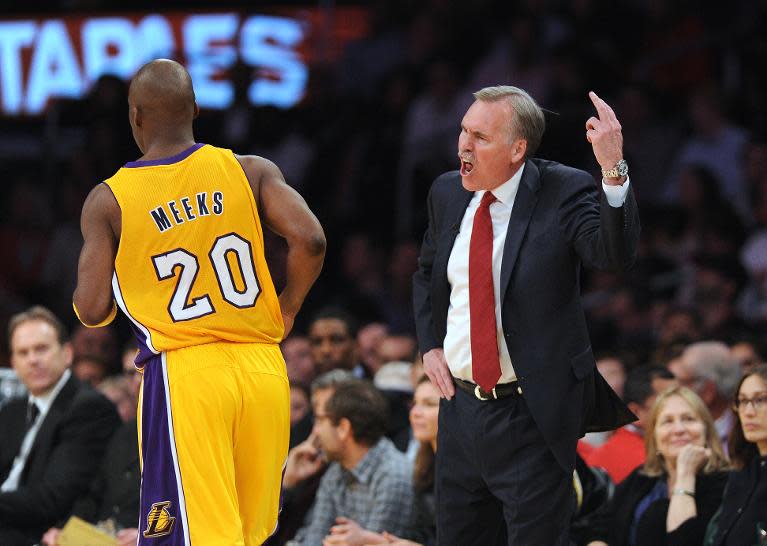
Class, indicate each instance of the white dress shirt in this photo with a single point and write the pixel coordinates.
(457, 344)
(43, 404)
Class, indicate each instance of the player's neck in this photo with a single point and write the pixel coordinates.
(162, 148)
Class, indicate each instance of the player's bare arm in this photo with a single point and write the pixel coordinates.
(286, 213)
(100, 225)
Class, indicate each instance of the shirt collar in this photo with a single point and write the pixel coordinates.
(506, 192)
(44, 402)
(364, 470)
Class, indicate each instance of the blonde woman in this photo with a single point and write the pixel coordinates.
(671, 498)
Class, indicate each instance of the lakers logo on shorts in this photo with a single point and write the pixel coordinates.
(159, 522)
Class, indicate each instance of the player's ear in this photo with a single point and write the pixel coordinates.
(135, 116)
(196, 110)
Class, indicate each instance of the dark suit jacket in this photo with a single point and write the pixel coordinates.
(744, 507)
(558, 222)
(63, 460)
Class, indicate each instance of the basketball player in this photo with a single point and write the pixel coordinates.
(175, 239)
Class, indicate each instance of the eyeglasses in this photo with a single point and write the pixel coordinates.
(757, 402)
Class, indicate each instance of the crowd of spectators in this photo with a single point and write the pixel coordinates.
(375, 130)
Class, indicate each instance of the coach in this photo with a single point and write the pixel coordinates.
(500, 321)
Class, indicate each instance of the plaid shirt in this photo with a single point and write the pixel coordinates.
(377, 494)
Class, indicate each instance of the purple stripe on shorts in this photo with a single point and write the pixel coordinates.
(165, 160)
(144, 353)
(161, 517)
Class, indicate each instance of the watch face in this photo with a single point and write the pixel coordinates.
(623, 167)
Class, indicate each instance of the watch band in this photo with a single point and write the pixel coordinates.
(681, 491)
(621, 168)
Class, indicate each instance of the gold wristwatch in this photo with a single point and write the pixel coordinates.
(621, 169)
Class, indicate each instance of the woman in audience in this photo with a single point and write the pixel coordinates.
(672, 497)
(423, 420)
(742, 518)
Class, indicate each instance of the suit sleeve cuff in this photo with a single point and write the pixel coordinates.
(616, 195)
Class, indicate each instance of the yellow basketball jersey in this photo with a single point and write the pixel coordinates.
(190, 266)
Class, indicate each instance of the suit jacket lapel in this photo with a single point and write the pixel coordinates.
(45, 434)
(522, 211)
(453, 215)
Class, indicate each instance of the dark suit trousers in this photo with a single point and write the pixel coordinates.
(497, 482)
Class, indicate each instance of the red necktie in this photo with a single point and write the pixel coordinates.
(485, 364)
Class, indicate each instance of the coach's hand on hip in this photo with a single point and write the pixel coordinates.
(435, 366)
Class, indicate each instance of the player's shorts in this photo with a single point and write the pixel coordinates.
(213, 436)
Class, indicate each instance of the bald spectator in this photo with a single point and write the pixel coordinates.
(708, 368)
(333, 336)
(297, 351)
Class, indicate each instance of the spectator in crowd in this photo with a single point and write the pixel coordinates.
(333, 336)
(96, 342)
(672, 497)
(368, 338)
(89, 369)
(297, 351)
(129, 354)
(305, 467)
(715, 143)
(123, 393)
(300, 414)
(53, 439)
(741, 518)
(613, 369)
(708, 368)
(752, 301)
(395, 348)
(746, 353)
(113, 497)
(625, 449)
(424, 415)
(393, 380)
(367, 488)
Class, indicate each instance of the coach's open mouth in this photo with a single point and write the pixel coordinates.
(466, 167)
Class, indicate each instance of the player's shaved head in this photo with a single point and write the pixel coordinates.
(162, 90)
(162, 105)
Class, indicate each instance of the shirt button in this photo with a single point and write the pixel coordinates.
(740, 510)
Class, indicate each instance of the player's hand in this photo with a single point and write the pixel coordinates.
(435, 367)
(347, 532)
(51, 537)
(604, 134)
(127, 537)
(304, 461)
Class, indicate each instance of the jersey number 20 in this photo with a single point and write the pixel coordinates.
(180, 306)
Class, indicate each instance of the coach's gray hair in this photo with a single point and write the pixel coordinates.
(527, 119)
